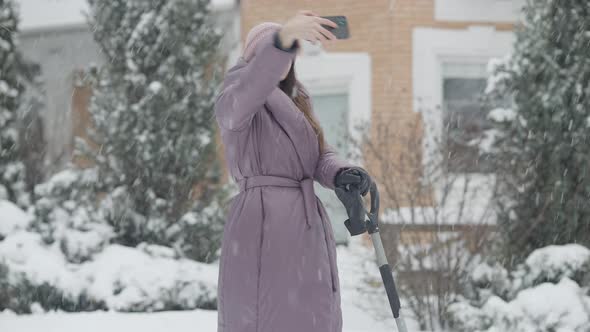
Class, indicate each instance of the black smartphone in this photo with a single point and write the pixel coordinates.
(341, 32)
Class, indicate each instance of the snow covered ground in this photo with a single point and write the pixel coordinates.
(359, 312)
(178, 321)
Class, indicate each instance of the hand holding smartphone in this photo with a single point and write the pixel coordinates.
(304, 26)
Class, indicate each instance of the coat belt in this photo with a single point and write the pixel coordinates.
(306, 185)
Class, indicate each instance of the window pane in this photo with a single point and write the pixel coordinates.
(332, 110)
(464, 122)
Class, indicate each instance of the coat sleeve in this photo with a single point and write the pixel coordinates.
(328, 165)
(246, 92)
(329, 162)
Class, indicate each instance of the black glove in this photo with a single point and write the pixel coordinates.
(353, 202)
(364, 179)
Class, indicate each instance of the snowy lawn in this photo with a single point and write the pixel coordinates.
(178, 321)
(359, 313)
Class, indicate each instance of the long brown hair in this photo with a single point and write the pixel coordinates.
(301, 99)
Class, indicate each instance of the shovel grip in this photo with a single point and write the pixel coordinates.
(355, 228)
(389, 285)
(348, 178)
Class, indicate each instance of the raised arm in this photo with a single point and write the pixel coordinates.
(245, 91)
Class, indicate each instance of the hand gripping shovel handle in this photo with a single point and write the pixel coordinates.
(348, 179)
(384, 268)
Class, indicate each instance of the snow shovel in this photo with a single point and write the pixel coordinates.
(356, 224)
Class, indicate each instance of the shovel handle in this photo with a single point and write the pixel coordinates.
(374, 199)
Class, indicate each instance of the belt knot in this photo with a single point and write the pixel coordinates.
(306, 185)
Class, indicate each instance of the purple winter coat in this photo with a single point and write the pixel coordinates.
(278, 257)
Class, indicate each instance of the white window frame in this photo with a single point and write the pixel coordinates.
(478, 10)
(452, 59)
(433, 47)
(341, 72)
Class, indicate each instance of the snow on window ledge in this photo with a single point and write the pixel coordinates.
(477, 10)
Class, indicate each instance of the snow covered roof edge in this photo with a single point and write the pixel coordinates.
(50, 14)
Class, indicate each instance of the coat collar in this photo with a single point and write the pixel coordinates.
(292, 121)
(297, 128)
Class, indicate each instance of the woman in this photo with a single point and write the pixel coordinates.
(278, 261)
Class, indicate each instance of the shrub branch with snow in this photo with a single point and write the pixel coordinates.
(16, 74)
(152, 113)
(541, 141)
(548, 292)
(34, 273)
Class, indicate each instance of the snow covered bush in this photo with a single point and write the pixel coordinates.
(198, 232)
(33, 273)
(12, 219)
(130, 279)
(541, 149)
(147, 278)
(152, 117)
(488, 280)
(552, 263)
(119, 278)
(69, 212)
(14, 72)
(80, 270)
(549, 292)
